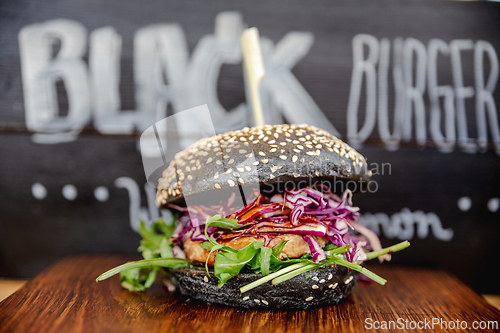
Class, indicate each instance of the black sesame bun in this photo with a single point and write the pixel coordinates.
(319, 287)
(279, 153)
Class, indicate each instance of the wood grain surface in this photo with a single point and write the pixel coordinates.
(65, 298)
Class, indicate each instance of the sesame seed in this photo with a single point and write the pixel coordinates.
(236, 174)
(205, 278)
(240, 169)
(226, 157)
(296, 150)
(255, 141)
(217, 185)
(247, 168)
(294, 158)
(295, 142)
(309, 146)
(242, 151)
(241, 180)
(265, 160)
(314, 286)
(272, 141)
(310, 153)
(309, 299)
(256, 301)
(296, 175)
(322, 281)
(265, 302)
(231, 182)
(349, 279)
(190, 177)
(318, 146)
(300, 147)
(318, 152)
(265, 139)
(283, 157)
(261, 153)
(231, 161)
(302, 160)
(333, 286)
(255, 163)
(246, 298)
(209, 160)
(216, 175)
(276, 135)
(271, 176)
(228, 171)
(249, 155)
(218, 162)
(315, 278)
(243, 139)
(273, 150)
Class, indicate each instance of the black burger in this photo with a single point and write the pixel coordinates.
(263, 218)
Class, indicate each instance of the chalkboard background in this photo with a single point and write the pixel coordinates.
(35, 232)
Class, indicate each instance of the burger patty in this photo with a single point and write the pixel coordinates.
(294, 248)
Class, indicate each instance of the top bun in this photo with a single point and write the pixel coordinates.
(264, 154)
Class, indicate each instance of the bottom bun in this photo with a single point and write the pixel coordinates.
(319, 287)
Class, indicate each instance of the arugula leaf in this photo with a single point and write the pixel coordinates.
(151, 277)
(150, 237)
(224, 223)
(212, 250)
(150, 242)
(165, 248)
(229, 264)
(220, 222)
(264, 259)
(133, 279)
(278, 248)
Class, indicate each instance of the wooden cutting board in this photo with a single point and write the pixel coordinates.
(66, 298)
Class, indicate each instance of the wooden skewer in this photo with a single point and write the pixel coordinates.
(254, 68)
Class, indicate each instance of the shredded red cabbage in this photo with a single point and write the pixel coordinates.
(308, 212)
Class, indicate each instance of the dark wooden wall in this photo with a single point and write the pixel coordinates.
(34, 233)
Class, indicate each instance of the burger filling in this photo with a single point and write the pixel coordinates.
(307, 219)
(279, 236)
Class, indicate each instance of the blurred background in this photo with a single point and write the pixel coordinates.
(413, 85)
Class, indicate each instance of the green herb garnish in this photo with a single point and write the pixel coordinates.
(255, 257)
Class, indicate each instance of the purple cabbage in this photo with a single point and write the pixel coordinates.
(316, 250)
(310, 211)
